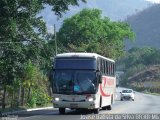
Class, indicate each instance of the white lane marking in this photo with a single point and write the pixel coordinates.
(39, 109)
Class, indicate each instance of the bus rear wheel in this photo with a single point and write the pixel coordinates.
(62, 110)
(104, 108)
(109, 107)
(96, 111)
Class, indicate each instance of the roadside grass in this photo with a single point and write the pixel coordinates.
(8, 109)
(146, 92)
(11, 109)
(46, 105)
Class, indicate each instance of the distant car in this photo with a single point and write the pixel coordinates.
(127, 94)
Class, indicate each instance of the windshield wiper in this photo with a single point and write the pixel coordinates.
(81, 93)
(67, 93)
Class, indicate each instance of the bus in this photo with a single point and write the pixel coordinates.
(83, 81)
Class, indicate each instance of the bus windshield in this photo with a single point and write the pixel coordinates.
(74, 82)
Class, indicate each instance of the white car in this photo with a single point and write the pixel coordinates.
(127, 94)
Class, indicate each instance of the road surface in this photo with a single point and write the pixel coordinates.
(144, 103)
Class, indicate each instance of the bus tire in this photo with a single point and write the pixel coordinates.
(62, 110)
(100, 103)
(109, 107)
(104, 108)
(96, 111)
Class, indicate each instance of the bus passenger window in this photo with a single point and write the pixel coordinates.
(109, 71)
(106, 68)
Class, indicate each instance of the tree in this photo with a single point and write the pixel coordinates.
(137, 60)
(89, 31)
(23, 35)
(35, 84)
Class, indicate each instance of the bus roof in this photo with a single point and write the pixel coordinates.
(87, 55)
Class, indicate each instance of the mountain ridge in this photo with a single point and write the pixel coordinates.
(114, 9)
(146, 25)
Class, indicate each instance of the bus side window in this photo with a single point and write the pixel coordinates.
(113, 69)
(110, 69)
(103, 66)
(98, 64)
(106, 67)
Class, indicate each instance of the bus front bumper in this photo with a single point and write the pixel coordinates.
(87, 104)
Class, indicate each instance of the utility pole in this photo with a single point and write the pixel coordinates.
(55, 38)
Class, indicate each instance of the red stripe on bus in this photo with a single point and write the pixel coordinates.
(101, 90)
(103, 93)
(109, 82)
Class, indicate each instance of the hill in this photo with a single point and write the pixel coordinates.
(141, 67)
(148, 79)
(146, 26)
(114, 9)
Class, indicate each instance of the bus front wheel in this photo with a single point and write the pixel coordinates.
(61, 110)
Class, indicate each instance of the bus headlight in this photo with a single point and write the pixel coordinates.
(56, 99)
(90, 99)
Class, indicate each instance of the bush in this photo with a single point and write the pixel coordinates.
(39, 98)
(42, 99)
(32, 102)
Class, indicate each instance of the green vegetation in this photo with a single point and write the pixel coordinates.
(25, 51)
(145, 25)
(26, 48)
(89, 31)
(157, 94)
(142, 68)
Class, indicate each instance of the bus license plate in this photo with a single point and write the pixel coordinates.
(74, 105)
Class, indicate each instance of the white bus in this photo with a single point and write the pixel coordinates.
(83, 80)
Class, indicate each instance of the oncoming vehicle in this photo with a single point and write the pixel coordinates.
(83, 80)
(127, 94)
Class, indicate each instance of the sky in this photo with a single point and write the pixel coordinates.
(123, 9)
(154, 1)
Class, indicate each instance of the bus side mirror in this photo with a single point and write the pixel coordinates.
(100, 78)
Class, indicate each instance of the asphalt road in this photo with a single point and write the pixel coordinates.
(144, 103)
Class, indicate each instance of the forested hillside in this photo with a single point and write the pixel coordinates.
(114, 9)
(141, 68)
(148, 79)
(146, 25)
